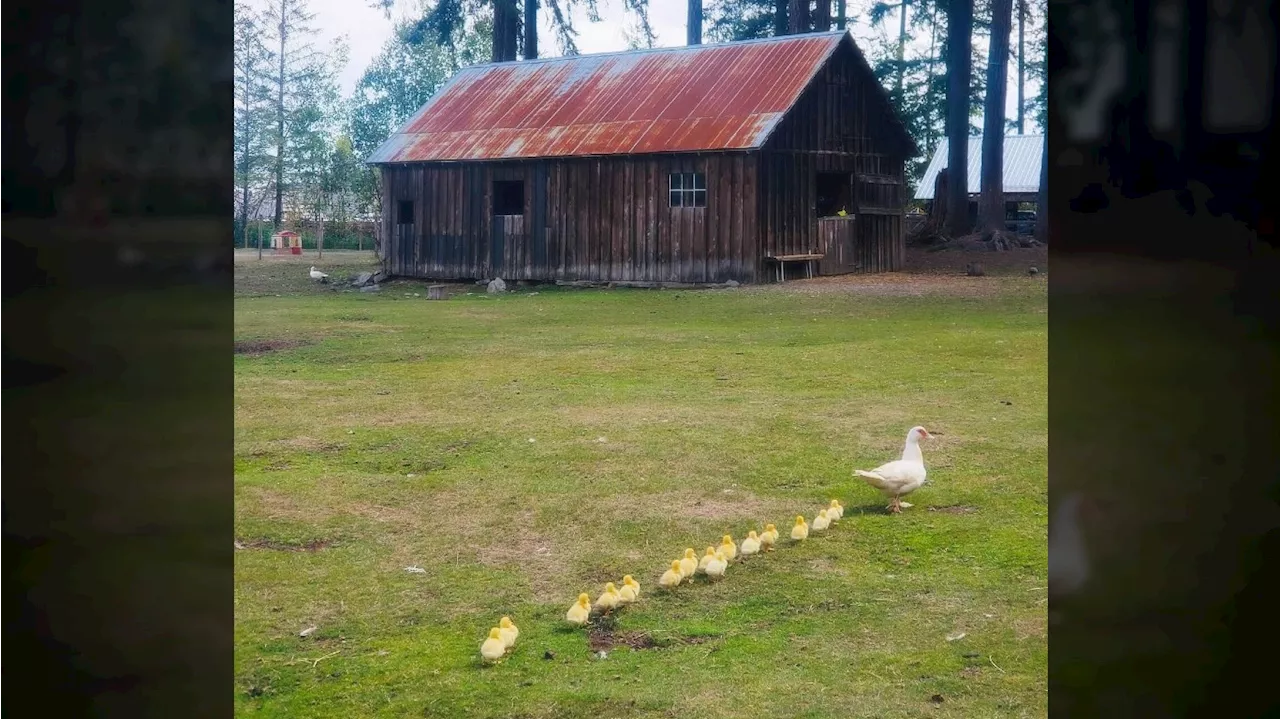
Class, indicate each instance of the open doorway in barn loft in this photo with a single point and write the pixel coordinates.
(508, 198)
(834, 193)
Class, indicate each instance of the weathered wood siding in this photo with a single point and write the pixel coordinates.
(607, 219)
(834, 128)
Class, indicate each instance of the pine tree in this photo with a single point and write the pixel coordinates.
(959, 64)
(251, 115)
(991, 215)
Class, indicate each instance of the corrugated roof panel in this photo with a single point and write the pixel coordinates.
(1022, 156)
(684, 99)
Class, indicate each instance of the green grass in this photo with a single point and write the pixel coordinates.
(399, 434)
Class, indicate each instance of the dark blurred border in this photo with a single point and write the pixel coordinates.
(117, 358)
(1163, 329)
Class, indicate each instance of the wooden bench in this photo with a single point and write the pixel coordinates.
(782, 260)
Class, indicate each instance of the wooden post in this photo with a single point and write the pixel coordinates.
(436, 292)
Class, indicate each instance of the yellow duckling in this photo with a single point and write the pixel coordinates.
(836, 511)
(801, 530)
(688, 564)
(716, 567)
(580, 611)
(729, 548)
(508, 631)
(710, 555)
(609, 599)
(627, 581)
(671, 578)
(626, 594)
(768, 537)
(822, 521)
(493, 648)
(751, 544)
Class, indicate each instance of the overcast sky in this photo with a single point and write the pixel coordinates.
(367, 29)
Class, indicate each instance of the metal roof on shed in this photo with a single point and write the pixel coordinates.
(684, 99)
(1022, 155)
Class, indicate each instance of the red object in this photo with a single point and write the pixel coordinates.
(683, 99)
(295, 250)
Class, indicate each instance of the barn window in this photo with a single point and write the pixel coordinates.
(404, 212)
(688, 189)
(508, 197)
(833, 194)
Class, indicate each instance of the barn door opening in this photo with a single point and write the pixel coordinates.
(508, 220)
(404, 235)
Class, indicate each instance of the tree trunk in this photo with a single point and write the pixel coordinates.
(320, 239)
(959, 40)
(841, 14)
(1022, 67)
(694, 30)
(780, 22)
(938, 210)
(822, 16)
(902, 52)
(530, 29)
(798, 17)
(281, 79)
(505, 19)
(259, 243)
(991, 202)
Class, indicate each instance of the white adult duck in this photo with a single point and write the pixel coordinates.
(901, 476)
(317, 274)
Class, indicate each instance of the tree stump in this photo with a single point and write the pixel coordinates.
(436, 292)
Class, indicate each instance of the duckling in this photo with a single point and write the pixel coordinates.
(716, 567)
(629, 582)
(671, 578)
(626, 594)
(508, 631)
(688, 564)
(729, 548)
(710, 555)
(493, 647)
(609, 599)
(801, 530)
(836, 511)
(751, 544)
(580, 611)
(821, 521)
(768, 537)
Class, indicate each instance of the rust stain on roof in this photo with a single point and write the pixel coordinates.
(684, 99)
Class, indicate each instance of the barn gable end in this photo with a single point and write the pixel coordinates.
(694, 164)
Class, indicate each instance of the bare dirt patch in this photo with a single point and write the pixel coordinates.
(933, 274)
(308, 444)
(954, 509)
(278, 546)
(824, 567)
(257, 348)
(1015, 262)
(602, 638)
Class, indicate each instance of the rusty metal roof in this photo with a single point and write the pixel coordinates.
(683, 99)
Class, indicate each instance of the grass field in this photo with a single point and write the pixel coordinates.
(527, 447)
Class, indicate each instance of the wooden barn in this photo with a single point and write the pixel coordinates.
(696, 164)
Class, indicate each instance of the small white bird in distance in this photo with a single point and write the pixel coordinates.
(318, 275)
